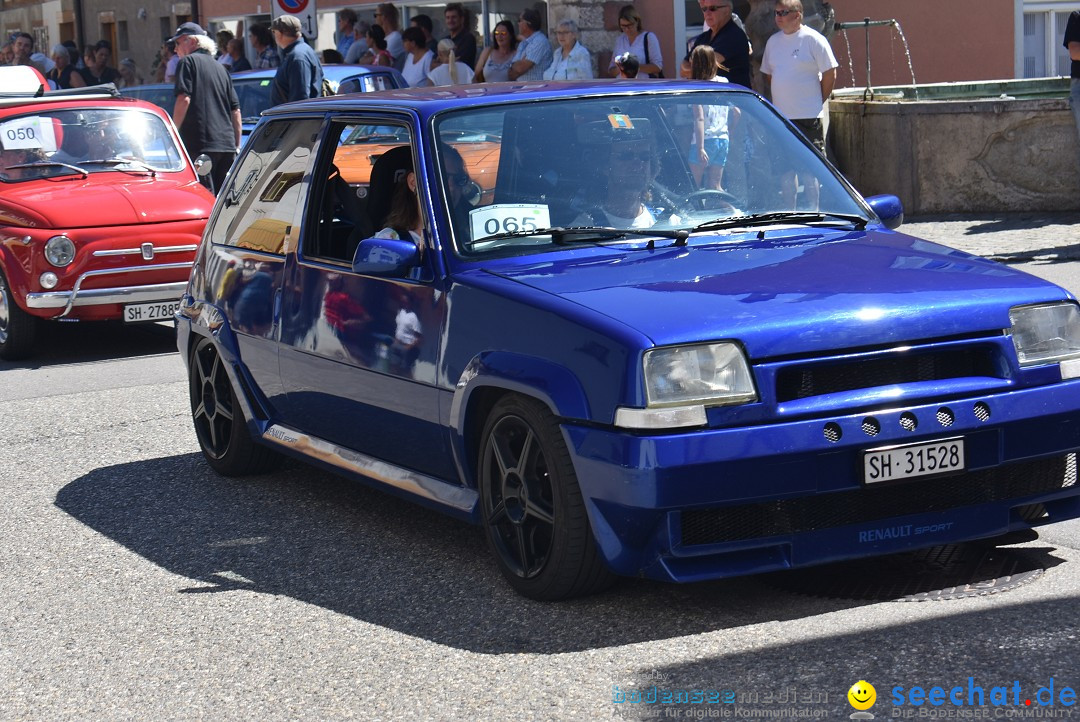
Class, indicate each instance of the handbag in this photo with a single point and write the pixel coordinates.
(646, 44)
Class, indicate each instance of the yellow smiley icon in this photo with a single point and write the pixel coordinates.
(862, 695)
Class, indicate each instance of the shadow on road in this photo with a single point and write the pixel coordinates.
(351, 549)
(67, 343)
(1028, 643)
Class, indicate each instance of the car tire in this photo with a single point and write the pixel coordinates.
(18, 329)
(219, 420)
(532, 509)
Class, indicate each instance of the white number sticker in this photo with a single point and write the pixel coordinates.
(507, 218)
(28, 133)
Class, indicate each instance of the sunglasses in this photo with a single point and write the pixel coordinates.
(501, 33)
(714, 8)
(627, 156)
(458, 179)
(784, 13)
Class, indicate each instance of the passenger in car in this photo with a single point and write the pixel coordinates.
(405, 219)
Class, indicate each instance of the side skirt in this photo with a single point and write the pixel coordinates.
(457, 500)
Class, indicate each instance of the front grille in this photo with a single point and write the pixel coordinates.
(800, 382)
(823, 511)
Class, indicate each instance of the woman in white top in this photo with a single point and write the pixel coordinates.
(572, 61)
(452, 71)
(644, 45)
(494, 63)
(417, 57)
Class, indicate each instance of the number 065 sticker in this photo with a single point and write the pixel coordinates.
(28, 133)
(507, 218)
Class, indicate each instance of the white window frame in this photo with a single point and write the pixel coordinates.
(1048, 8)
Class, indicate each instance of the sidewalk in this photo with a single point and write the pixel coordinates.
(1005, 237)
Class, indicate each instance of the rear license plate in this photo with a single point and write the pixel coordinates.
(913, 460)
(143, 312)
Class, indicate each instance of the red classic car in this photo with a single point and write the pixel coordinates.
(100, 211)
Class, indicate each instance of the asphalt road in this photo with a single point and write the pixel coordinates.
(136, 584)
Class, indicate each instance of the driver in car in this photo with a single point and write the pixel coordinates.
(623, 192)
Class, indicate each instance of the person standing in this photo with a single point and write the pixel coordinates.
(464, 40)
(424, 23)
(644, 45)
(23, 48)
(450, 70)
(800, 71)
(207, 111)
(346, 21)
(299, 76)
(359, 47)
(727, 40)
(494, 63)
(417, 57)
(386, 16)
(533, 54)
(266, 54)
(129, 74)
(64, 74)
(97, 70)
(1072, 43)
(240, 63)
(572, 60)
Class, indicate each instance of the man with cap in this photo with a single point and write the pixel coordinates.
(207, 111)
(300, 75)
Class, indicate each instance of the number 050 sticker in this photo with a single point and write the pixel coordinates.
(28, 133)
(507, 218)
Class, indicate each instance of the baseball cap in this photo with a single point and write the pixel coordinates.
(188, 29)
(286, 24)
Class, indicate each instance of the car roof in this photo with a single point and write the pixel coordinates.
(96, 96)
(428, 101)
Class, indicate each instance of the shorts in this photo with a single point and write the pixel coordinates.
(717, 149)
(813, 130)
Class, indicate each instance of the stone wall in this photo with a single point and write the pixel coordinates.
(960, 156)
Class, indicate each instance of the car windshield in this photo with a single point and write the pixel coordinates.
(254, 96)
(673, 163)
(86, 140)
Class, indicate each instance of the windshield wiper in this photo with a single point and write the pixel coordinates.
(52, 164)
(766, 219)
(123, 161)
(587, 234)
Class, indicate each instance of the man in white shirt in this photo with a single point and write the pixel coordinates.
(800, 71)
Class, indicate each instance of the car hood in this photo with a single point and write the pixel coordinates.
(98, 201)
(793, 294)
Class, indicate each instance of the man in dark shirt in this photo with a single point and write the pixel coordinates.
(1072, 43)
(727, 39)
(207, 111)
(464, 40)
(300, 75)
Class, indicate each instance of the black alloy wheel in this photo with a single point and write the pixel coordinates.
(533, 512)
(219, 421)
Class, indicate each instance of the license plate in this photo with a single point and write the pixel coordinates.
(143, 312)
(913, 460)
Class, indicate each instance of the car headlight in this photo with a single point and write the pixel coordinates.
(59, 251)
(1046, 333)
(681, 381)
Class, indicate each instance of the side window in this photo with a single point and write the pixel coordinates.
(264, 192)
(361, 188)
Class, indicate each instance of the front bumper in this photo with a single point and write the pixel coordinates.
(728, 501)
(66, 300)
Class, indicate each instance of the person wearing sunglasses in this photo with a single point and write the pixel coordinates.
(800, 71)
(620, 200)
(494, 63)
(643, 44)
(726, 38)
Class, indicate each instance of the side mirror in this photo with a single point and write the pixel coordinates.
(203, 165)
(888, 208)
(385, 257)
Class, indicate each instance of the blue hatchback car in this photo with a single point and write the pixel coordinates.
(539, 307)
